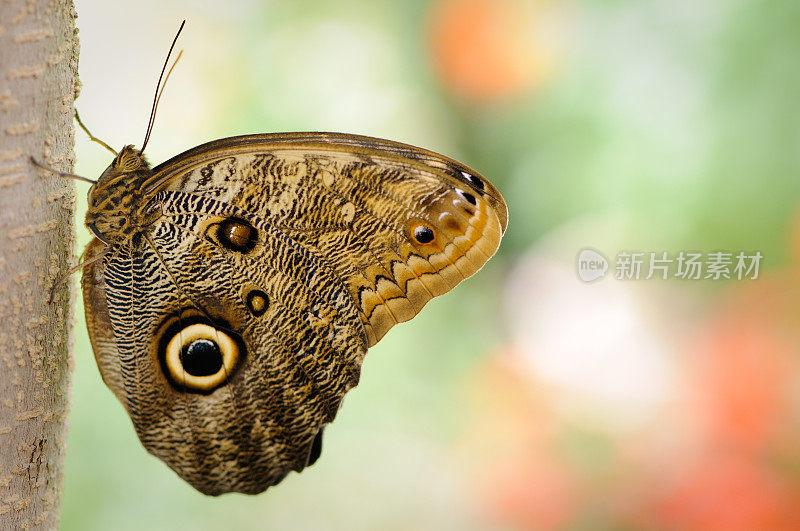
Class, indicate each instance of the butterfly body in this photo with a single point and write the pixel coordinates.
(242, 282)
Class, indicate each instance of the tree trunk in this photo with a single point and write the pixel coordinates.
(38, 81)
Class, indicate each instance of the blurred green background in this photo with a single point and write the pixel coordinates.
(525, 399)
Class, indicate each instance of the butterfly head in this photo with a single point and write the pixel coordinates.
(129, 160)
(116, 208)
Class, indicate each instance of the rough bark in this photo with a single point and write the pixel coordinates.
(38, 65)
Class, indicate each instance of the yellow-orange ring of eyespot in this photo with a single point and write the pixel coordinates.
(193, 332)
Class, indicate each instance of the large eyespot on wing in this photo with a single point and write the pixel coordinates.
(197, 356)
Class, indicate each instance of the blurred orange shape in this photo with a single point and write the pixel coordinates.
(740, 473)
(484, 50)
(746, 371)
(743, 384)
(529, 493)
(728, 493)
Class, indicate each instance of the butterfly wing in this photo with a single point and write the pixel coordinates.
(289, 334)
(398, 224)
(291, 254)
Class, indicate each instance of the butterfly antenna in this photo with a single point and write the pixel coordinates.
(160, 92)
(159, 88)
(61, 173)
(91, 136)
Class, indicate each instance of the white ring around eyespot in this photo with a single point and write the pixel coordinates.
(227, 346)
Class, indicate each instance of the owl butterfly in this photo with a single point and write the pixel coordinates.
(232, 292)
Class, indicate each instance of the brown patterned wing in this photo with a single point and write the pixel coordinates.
(398, 225)
(207, 275)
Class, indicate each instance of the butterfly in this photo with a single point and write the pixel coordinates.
(232, 292)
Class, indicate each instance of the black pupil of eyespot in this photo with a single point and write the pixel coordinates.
(423, 234)
(201, 357)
